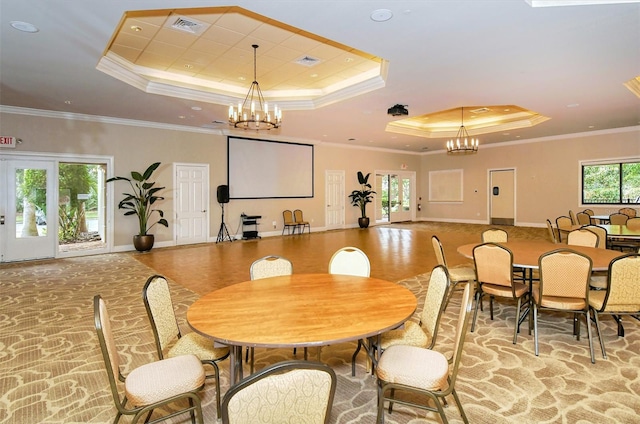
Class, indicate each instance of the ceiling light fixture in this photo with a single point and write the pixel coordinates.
(467, 145)
(251, 116)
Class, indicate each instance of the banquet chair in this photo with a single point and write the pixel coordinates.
(424, 371)
(564, 224)
(494, 274)
(285, 392)
(622, 296)
(600, 232)
(149, 386)
(574, 218)
(299, 220)
(456, 274)
(552, 234)
(265, 267)
(618, 219)
(583, 218)
(289, 222)
(598, 278)
(495, 235)
(564, 286)
(630, 212)
(169, 340)
(422, 333)
(633, 223)
(582, 237)
(350, 261)
(590, 212)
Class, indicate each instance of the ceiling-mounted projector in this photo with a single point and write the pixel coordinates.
(398, 110)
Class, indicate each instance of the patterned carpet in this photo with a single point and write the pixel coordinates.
(51, 370)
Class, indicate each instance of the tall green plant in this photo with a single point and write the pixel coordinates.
(361, 197)
(139, 202)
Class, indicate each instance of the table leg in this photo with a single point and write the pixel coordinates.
(235, 364)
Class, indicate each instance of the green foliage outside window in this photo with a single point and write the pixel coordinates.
(611, 183)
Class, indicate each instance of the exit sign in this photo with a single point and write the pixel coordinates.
(9, 142)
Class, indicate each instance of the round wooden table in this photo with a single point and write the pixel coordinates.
(299, 310)
(527, 252)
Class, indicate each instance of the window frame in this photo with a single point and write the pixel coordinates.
(619, 162)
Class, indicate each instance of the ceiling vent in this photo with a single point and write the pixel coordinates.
(308, 61)
(189, 25)
(480, 110)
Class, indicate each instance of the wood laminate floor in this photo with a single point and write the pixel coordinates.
(396, 251)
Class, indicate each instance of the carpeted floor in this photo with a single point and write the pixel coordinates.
(51, 370)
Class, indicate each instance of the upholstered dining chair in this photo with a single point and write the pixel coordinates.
(582, 237)
(574, 218)
(289, 222)
(424, 371)
(456, 274)
(300, 222)
(169, 340)
(286, 392)
(583, 218)
(622, 296)
(350, 261)
(630, 212)
(265, 267)
(149, 386)
(422, 333)
(552, 234)
(564, 224)
(495, 235)
(494, 274)
(618, 219)
(633, 223)
(598, 278)
(564, 286)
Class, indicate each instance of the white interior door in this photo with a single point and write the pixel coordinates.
(335, 197)
(502, 194)
(192, 201)
(27, 205)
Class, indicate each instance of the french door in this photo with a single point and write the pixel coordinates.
(395, 199)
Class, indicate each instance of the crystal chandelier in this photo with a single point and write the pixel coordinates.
(463, 144)
(254, 113)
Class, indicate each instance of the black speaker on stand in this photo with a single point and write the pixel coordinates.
(223, 197)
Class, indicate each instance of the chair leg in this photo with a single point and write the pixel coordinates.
(475, 312)
(491, 306)
(216, 375)
(535, 327)
(517, 329)
(586, 315)
(618, 319)
(457, 399)
(595, 315)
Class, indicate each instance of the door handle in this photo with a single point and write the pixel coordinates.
(1, 219)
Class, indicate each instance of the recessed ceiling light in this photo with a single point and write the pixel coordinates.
(573, 105)
(24, 26)
(196, 108)
(67, 102)
(381, 15)
(188, 66)
(136, 28)
(181, 116)
(591, 126)
(351, 139)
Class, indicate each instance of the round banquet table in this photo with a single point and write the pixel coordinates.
(299, 310)
(527, 252)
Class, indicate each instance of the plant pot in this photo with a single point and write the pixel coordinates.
(143, 243)
(363, 222)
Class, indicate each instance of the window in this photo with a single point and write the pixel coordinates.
(611, 183)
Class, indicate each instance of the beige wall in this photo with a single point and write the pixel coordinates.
(547, 175)
(134, 147)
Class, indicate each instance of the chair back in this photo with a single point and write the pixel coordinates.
(350, 261)
(494, 264)
(287, 216)
(108, 347)
(270, 266)
(618, 219)
(563, 223)
(495, 235)
(574, 219)
(588, 212)
(583, 218)
(633, 223)
(439, 251)
(630, 212)
(582, 237)
(600, 232)
(564, 273)
(623, 291)
(552, 233)
(286, 392)
(461, 330)
(435, 301)
(157, 301)
(297, 216)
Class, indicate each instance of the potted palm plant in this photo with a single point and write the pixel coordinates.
(361, 197)
(140, 203)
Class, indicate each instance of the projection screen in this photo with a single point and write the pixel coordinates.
(263, 169)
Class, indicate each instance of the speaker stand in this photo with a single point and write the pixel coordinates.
(223, 233)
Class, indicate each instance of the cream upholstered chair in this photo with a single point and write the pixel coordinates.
(630, 212)
(289, 222)
(152, 385)
(495, 235)
(552, 234)
(582, 237)
(583, 218)
(422, 333)
(622, 296)
(564, 224)
(618, 219)
(169, 340)
(600, 232)
(494, 274)
(456, 274)
(564, 286)
(300, 222)
(574, 218)
(633, 223)
(265, 267)
(424, 371)
(598, 278)
(350, 261)
(286, 392)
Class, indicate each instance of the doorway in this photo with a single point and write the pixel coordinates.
(335, 199)
(191, 203)
(502, 196)
(396, 195)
